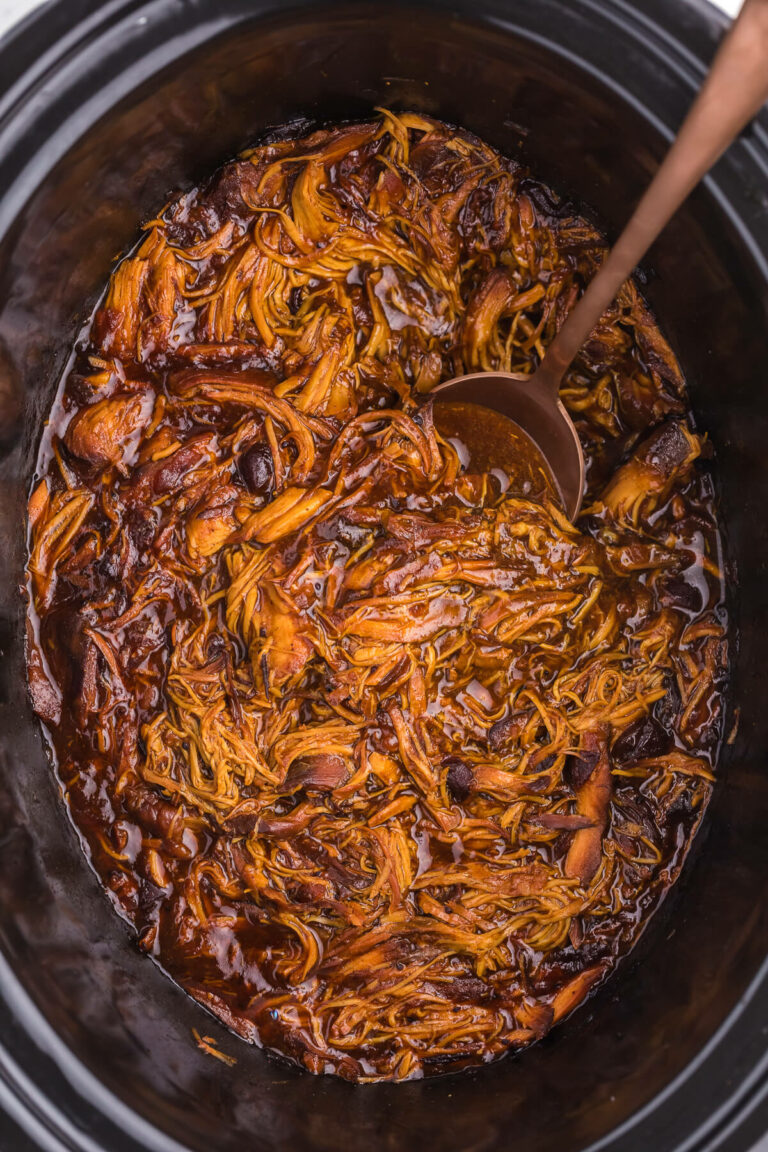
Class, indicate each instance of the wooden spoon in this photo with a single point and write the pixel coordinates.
(734, 90)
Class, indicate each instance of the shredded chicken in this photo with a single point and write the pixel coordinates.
(386, 761)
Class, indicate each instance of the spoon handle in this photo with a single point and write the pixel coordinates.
(734, 90)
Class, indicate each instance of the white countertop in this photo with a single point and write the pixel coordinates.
(13, 10)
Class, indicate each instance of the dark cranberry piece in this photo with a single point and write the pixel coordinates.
(579, 768)
(459, 778)
(678, 593)
(499, 732)
(294, 300)
(141, 524)
(642, 740)
(668, 709)
(256, 469)
(468, 990)
(216, 645)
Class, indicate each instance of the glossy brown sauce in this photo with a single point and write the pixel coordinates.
(496, 446)
(386, 761)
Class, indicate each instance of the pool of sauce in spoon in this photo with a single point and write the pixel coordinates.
(490, 442)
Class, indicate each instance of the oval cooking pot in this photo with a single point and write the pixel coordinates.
(106, 110)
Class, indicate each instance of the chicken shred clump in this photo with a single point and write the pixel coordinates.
(386, 761)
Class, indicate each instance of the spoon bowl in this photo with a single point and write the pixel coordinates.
(550, 442)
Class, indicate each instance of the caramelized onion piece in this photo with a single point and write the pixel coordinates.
(645, 481)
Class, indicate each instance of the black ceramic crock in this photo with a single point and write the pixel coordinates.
(105, 110)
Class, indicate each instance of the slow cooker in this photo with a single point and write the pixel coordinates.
(105, 111)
